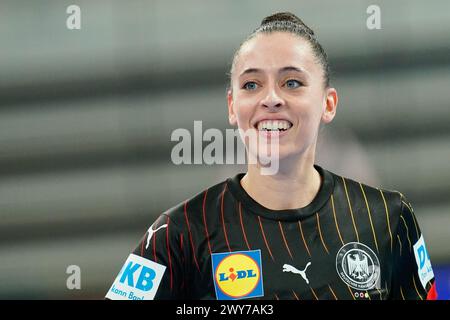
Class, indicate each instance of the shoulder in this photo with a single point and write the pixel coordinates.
(362, 194)
(190, 210)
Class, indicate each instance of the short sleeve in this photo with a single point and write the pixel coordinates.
(155, 269)
(413, 277)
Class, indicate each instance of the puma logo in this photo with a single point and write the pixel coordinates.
(289, 268)
(151, 232)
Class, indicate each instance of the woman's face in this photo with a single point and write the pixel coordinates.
(278, 85)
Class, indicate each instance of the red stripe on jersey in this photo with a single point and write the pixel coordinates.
(223, 219)
(284, 239)
(242, 226)
(168, 252)
(204, 222)
(181, 248)
(190, 235)
(154, 246)
(265, 240)
(432, 294)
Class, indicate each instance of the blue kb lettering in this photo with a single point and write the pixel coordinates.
(146, 276)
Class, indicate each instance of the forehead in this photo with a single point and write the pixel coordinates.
(274, 51)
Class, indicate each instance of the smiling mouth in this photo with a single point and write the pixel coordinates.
(273, 125)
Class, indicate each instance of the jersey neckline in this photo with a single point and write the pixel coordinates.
(316, 204)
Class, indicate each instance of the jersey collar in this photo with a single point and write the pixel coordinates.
(250, 204)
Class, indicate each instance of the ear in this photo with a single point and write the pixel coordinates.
(331, 102)
(231, 115)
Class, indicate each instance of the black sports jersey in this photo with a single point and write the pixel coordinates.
(352, 241)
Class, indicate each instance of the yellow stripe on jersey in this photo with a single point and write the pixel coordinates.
(387, 218)
(381, 295)
(400, 243)
(370, 217)
(335, 220)
(284, 239)
(407, 205)
(315, 296)
(401, 292)
(412, 217)
(332, 292)
(350, 207)
(415, 287)
(320, 233)
(407, 232)
(351, 293)
(304, 242)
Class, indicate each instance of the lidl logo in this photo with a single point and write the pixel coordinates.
(237, 275)
(139, 279)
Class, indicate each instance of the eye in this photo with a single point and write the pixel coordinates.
(251, 85)
(292, 84)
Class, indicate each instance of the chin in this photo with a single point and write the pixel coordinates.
(283, 154)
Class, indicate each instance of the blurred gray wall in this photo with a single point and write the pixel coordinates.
(86, 117)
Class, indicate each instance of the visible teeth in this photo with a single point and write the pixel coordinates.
(274, 125)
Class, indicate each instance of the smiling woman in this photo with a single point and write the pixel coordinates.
(301, 232)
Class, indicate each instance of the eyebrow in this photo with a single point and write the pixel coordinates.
(284, 69)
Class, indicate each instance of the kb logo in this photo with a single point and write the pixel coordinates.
(144, 281)
(139, 279)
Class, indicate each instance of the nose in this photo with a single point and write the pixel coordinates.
(272, 100)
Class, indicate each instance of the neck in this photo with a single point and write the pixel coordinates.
(294, 186)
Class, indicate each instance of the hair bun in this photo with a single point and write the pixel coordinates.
(286, 17)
